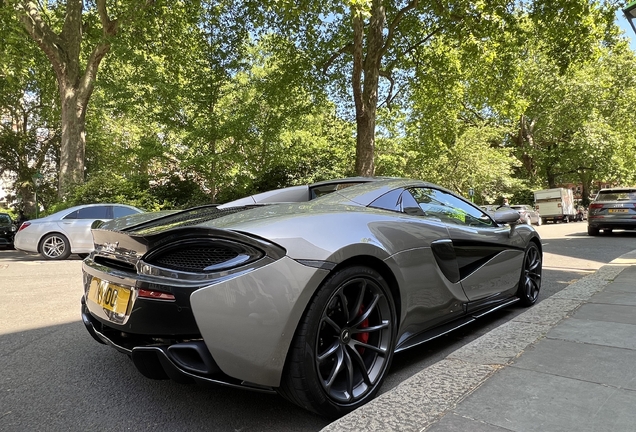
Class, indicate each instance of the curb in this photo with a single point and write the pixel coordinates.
(423, 399)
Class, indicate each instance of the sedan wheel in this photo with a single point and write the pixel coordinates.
(530, 282)
(344, 345)
(55, 247)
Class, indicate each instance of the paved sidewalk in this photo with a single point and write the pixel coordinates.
(567, 364)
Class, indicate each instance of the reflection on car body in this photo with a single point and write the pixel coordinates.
(309, 299)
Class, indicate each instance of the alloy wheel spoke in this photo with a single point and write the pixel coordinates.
(349, 372)
(384, 325)
(381, 351)
(332, 323)
(329, 352)
(368, 312)
(353, 312)
(336, 369)
(344, 304)
(355, 355)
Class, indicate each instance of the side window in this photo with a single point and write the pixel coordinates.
(119, 211)
(72, 215)
(97, 212)
(449, 208)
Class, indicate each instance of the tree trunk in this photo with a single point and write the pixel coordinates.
(73, 145)
(365, 93)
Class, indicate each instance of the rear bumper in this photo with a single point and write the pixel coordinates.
(186, 362)
(601, 223)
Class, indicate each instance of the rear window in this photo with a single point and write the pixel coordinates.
(614, 195)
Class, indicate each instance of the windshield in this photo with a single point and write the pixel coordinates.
(5, 220)
(616, 195)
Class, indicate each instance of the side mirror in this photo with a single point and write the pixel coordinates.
(506, 216)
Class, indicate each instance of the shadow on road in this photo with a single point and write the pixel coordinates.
(16, 255)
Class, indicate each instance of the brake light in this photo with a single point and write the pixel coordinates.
(596, 206)
(24, 225)
(156, 295)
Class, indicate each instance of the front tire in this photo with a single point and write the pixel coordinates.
(343, 345)
(530, 281)
(55, 247)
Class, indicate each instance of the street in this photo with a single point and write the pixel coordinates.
(56, 377)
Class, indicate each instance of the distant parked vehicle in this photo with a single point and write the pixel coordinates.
(555, 205)
(528, 214)
(68, 231)
(7, 230)
(613, 208)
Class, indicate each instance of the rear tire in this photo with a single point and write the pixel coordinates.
(592, 231)
(530, 280)
(55, 247)
(343, 345)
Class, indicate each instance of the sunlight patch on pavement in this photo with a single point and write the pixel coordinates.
(563, 262)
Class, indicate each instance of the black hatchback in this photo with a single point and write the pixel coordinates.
(7, 230)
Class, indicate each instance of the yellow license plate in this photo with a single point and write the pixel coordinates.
(618, 211)
(110, 296)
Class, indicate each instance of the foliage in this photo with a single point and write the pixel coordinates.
(209, 101)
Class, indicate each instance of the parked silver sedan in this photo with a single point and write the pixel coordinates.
(59, 235)
(528, 214)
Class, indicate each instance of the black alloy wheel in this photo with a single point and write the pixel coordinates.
(344, 345)
(530, 282)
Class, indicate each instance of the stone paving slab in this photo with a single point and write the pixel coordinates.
(596, 332)
(551, 404)
(456, 423)
(585, 362)
(617, 298)
(621, 287)
(610, 313)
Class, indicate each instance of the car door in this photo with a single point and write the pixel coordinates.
(487, 255)
(77, 225)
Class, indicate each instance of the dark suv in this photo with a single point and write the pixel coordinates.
(7, 230)
(613, 208)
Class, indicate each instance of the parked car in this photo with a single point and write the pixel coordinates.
(7, 230)
(68, 231)
(311, 299)
(489, 208)
(612, 208)
(528, 214)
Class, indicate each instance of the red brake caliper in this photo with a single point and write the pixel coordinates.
(362, 337)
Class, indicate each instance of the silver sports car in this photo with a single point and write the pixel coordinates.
(309, 299)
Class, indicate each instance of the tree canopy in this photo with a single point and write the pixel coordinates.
(169, 104)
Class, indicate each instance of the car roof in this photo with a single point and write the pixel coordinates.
(618, 189)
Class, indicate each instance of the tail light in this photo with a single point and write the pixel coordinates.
(156, 295)
(24, 225)
(596, 206)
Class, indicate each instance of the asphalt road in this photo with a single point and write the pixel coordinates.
(56, 377)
